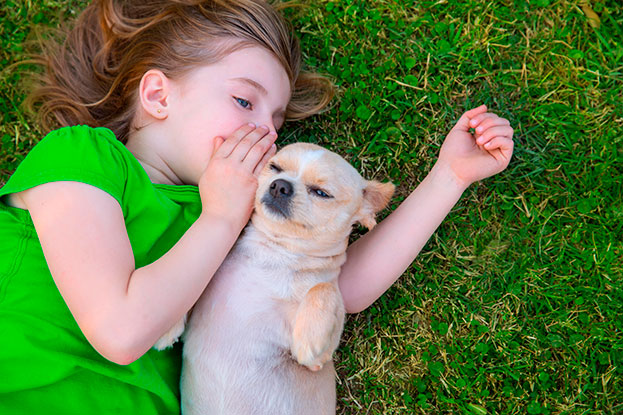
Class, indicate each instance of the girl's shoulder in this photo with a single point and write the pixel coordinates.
(79, 153)
(80, 139)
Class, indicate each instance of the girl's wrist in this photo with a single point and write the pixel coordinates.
(219, 224)
(443, 176)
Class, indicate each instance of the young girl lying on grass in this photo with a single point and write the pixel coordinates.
(113, 225)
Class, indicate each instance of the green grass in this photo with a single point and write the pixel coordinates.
(516, 304)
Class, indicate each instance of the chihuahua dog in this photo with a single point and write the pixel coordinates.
(260, 339)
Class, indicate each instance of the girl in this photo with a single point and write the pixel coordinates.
(113, 225)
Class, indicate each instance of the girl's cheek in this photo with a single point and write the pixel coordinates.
(229, 126)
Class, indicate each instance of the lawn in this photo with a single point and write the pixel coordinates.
(516, 303)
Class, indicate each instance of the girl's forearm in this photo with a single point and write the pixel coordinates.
(376, 260)
(159, 294)
(122, 311)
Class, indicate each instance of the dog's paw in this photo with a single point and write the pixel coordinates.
(171, 336)
(318, 326)
(306, 356)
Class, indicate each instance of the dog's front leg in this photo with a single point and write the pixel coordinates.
(171, 336)
(318, 326)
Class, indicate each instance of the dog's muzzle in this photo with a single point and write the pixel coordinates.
(278, 198)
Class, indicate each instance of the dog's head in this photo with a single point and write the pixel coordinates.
(309, 198)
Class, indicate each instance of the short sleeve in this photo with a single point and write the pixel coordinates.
(80, 153)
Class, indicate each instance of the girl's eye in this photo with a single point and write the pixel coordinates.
(320, 193)
(276, 168)
(243, 103)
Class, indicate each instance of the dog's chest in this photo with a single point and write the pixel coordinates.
(257, 290)
(256, 270)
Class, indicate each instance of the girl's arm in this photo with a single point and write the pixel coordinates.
(121, 310)
(376, 260)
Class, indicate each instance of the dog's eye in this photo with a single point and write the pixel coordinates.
(316, 191)
(276, 168)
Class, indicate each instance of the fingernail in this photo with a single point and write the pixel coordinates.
(479, 130)
(251, 125)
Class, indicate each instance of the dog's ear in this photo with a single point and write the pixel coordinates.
(376, 196)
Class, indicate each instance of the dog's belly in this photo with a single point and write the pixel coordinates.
(237, 348)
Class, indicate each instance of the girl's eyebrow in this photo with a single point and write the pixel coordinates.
(252, 83)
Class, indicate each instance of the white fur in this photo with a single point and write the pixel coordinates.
(237, 358)
(308, 157)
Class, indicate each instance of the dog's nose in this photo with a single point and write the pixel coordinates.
(281, 188)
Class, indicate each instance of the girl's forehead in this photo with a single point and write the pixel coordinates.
(252, 67)
(250, 60)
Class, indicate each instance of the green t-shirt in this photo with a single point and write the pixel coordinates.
(46, 364)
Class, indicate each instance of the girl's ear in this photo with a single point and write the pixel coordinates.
(376, 196)
(154, 91)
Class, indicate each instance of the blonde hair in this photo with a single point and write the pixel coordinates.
(92, 76)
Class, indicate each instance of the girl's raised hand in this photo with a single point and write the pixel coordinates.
(228, 184)
(473, 157)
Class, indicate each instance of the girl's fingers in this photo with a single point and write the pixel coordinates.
(463, 123)
(249, 145)
(491, 122)
(231, 142)
(490, 133)
(267, 156)
(500, 147)
(218, 142)
(257, 152)
(475, 111)
(478, 119)
(248, 142)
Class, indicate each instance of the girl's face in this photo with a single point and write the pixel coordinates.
(247, 86)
